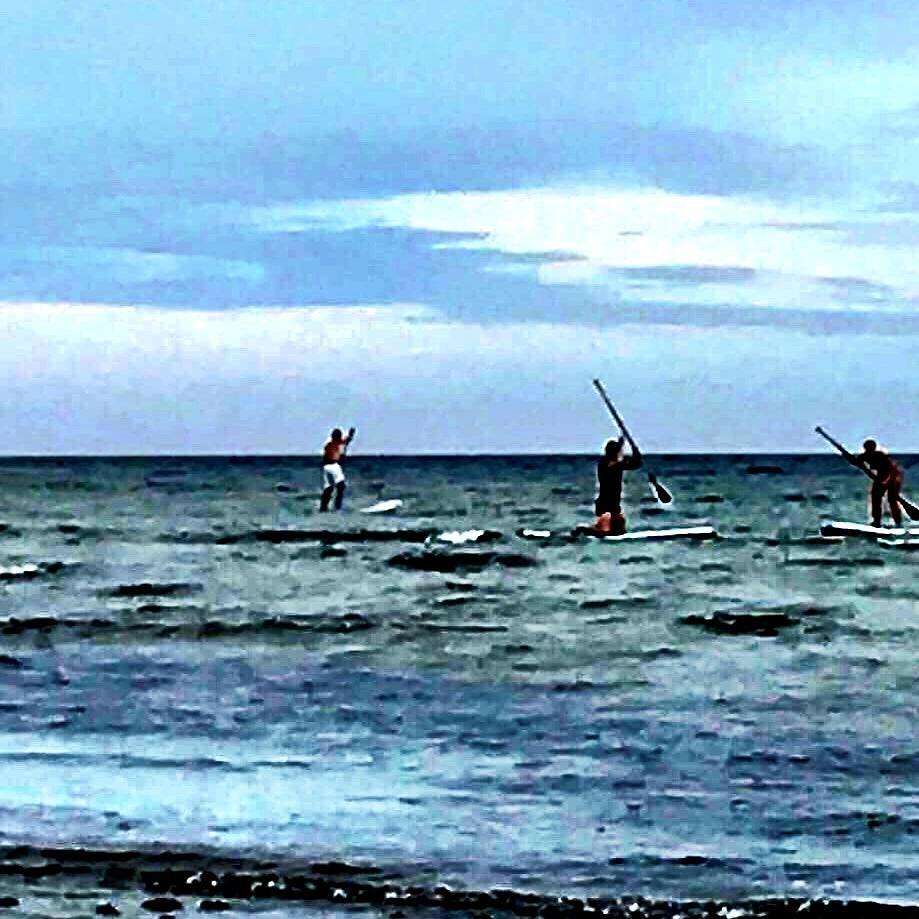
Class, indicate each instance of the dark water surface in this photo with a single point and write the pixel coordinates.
(188, 659)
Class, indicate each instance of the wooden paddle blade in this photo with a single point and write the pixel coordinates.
(911, 510)
(659, 490)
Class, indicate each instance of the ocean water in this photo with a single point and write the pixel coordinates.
(191, 656)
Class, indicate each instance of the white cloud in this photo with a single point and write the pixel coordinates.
(84, 378)
(645, 228)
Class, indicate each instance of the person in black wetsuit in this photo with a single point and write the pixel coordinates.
(610, 468)
(888, 479)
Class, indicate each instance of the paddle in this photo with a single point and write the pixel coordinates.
(660, 492)
(911, 510)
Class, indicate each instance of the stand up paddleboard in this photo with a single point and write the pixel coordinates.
(692, 533)
(905, 545)
(700, 532)
(842, 528)
(383, 507)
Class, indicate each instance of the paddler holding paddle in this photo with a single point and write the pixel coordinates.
(887, 480)
(610, 519)
(608, 506)
(333, 478)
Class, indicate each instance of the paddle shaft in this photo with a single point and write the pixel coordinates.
(840, 448)
(616, 417)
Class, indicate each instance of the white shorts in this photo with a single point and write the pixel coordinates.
(332, 474)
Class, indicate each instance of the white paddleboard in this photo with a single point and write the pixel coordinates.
(697, 532)
(907, 545)
(700, 532)
(383, 507)
(842, 528)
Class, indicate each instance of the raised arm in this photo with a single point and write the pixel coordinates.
(633, 461)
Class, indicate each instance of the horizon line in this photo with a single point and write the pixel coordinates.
(423, 455)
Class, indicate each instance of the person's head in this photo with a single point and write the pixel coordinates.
(870, 446)
(336, 433)
(613, 448)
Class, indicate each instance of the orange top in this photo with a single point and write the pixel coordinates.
(333, 449)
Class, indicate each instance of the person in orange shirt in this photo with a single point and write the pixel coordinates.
(333, 477)
(888, 480)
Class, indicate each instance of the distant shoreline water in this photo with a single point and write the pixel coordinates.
(192, 656)
(357, 455)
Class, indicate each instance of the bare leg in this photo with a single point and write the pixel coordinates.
(877, 506)
(893, 501)
(326, 497)
(339, 495)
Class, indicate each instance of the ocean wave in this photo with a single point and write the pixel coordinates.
(349, 622)
(150, 589)
(215, 628)
(447, 562)
(762, 622)
(86, 531)
(888, 591)
(849, 827)
(16, 626)
(626, 601)
(175, 609)
(787, 540)
(168, 876)
(467, 627)
(278, 537)
(31, 570)
(128, 760)
(826, 562)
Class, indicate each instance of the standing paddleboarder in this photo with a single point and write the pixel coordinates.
(887, 480)
(333, 478)
(610, 468)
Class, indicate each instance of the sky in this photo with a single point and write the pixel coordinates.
(227, 226)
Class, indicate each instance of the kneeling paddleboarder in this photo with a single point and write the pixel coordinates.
(610, 468)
